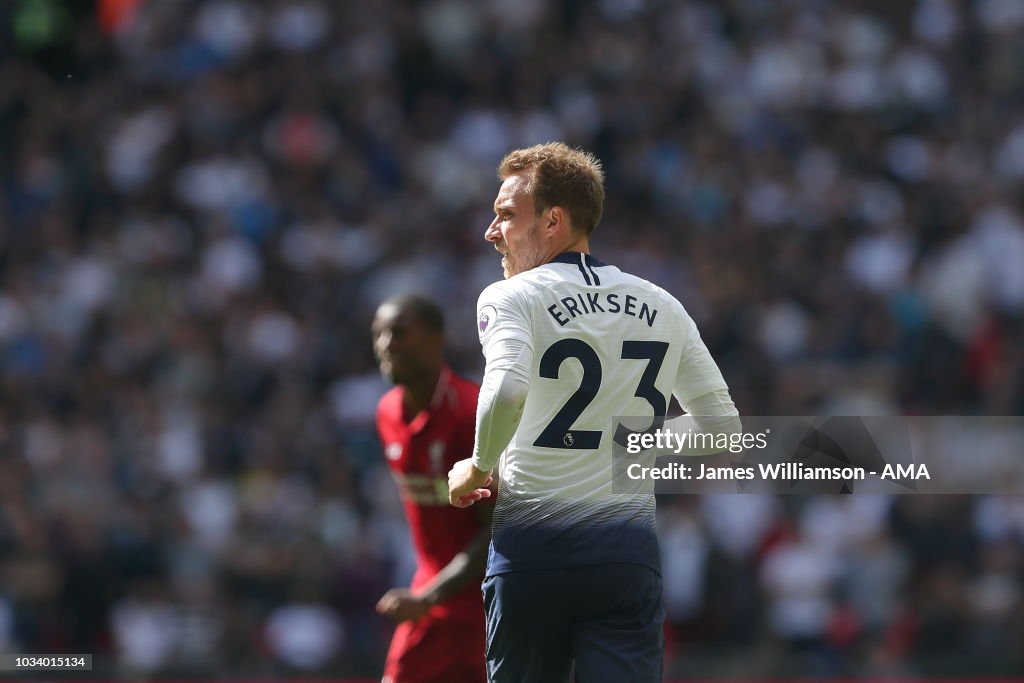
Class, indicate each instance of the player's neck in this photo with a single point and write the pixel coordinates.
(579, 244)
(419, 393)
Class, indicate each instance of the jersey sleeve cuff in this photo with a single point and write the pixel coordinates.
(482, 466)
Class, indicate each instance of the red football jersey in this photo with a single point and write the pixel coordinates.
(420, 453)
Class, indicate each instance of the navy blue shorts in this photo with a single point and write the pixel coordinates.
(607, 619)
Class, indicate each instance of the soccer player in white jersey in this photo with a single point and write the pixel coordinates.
(573, 575)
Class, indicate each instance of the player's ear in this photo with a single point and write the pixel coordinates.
(556, 219)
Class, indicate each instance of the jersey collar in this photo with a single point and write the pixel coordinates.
(444, 381)
(573, 257)
(441, 392)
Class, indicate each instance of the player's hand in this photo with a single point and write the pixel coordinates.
(467, 484)
(400, 604)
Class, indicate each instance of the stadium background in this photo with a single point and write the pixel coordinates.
(202, 203)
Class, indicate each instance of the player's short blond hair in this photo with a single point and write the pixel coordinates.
(562, 176)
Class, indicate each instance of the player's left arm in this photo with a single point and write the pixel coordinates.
(466, 566)
(702, 392)
(402, 604)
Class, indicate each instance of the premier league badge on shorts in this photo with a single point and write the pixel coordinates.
(568, 440)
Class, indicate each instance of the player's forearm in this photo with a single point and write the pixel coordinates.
(713, 413)
(466, 566)
(499, 411)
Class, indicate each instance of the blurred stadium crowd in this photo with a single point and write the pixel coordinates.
(201, 204)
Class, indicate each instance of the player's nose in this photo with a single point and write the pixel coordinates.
(492, 234)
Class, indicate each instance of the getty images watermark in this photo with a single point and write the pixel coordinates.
(822, 455)
(667, 439)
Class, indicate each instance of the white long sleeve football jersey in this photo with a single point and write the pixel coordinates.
(570, 346)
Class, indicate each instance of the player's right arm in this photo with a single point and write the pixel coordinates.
(702, 391)
(507, 343)
(504, 327)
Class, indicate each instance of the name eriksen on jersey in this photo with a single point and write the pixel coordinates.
(569, 307)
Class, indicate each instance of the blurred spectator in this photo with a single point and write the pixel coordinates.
(144, 632)
(305, 634)
(799, 577)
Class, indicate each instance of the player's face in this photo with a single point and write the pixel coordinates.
(515, 230)
(405, 348)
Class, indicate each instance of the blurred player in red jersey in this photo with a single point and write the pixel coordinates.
(426, 424)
